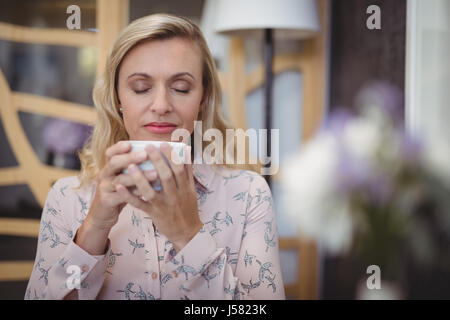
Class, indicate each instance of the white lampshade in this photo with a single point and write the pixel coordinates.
(294, 19)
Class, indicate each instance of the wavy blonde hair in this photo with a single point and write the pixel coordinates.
(109, 128)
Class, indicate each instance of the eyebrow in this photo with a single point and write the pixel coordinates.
(176, 75)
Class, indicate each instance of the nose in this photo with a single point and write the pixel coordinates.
(161, 104)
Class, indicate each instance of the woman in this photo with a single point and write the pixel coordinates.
(209, 234)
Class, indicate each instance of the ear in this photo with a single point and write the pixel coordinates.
(120, 106)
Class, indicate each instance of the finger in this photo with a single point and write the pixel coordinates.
(143, 186)
(176, 164)
(126, 180)
(151, 175)
(118, 163)
(117, 148)
(123, 179)
(164, 172)
(109, 186)
(132, 199)
(111, 197)
(134, 191)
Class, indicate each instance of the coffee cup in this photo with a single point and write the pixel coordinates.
(178, 148)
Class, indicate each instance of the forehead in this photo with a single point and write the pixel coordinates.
(163, 58)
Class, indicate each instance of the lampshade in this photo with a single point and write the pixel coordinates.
(294, 19)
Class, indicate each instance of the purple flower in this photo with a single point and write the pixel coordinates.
(338, 119)
(356, 175)
(352, 172)
(386, 96)
(65, 137)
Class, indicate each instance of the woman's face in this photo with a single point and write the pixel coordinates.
(160, 88)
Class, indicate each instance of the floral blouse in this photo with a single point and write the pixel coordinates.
(234, 256)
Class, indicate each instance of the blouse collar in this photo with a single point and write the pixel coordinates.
(203, 175)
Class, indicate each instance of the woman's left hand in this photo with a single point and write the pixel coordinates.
(174, 209)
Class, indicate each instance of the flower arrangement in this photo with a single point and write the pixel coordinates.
(65, 137)
(62, 140)
(365, 187)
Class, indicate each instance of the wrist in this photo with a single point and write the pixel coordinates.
(91, 238)
(100, 226)
(101, 217)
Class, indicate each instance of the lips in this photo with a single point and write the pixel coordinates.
(161, 124)
(160, 127)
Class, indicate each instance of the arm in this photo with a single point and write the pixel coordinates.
(201, 271)
(56, 251)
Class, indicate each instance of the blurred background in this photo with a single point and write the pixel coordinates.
(343, 79)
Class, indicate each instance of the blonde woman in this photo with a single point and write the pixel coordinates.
(210, 233)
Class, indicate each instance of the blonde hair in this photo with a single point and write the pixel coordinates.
(109, 128)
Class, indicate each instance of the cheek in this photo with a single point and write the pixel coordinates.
(129, 121)
(131, 100)
(133, 107)
(131, 115)
(189, 114)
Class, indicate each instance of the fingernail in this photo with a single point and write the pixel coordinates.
(132, 168)
(151, 175)
(151, 148)
(142, 155)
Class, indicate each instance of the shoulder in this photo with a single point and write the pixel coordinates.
(71, 181)
(66, 182)
(244, 178)
(70, 186)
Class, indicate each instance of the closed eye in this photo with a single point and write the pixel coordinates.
(181, 91)
(141, 91)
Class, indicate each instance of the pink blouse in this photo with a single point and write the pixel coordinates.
(234, 256)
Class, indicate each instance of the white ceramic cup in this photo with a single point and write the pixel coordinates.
(179, 148)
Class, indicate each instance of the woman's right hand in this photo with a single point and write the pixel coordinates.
(107, 203)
